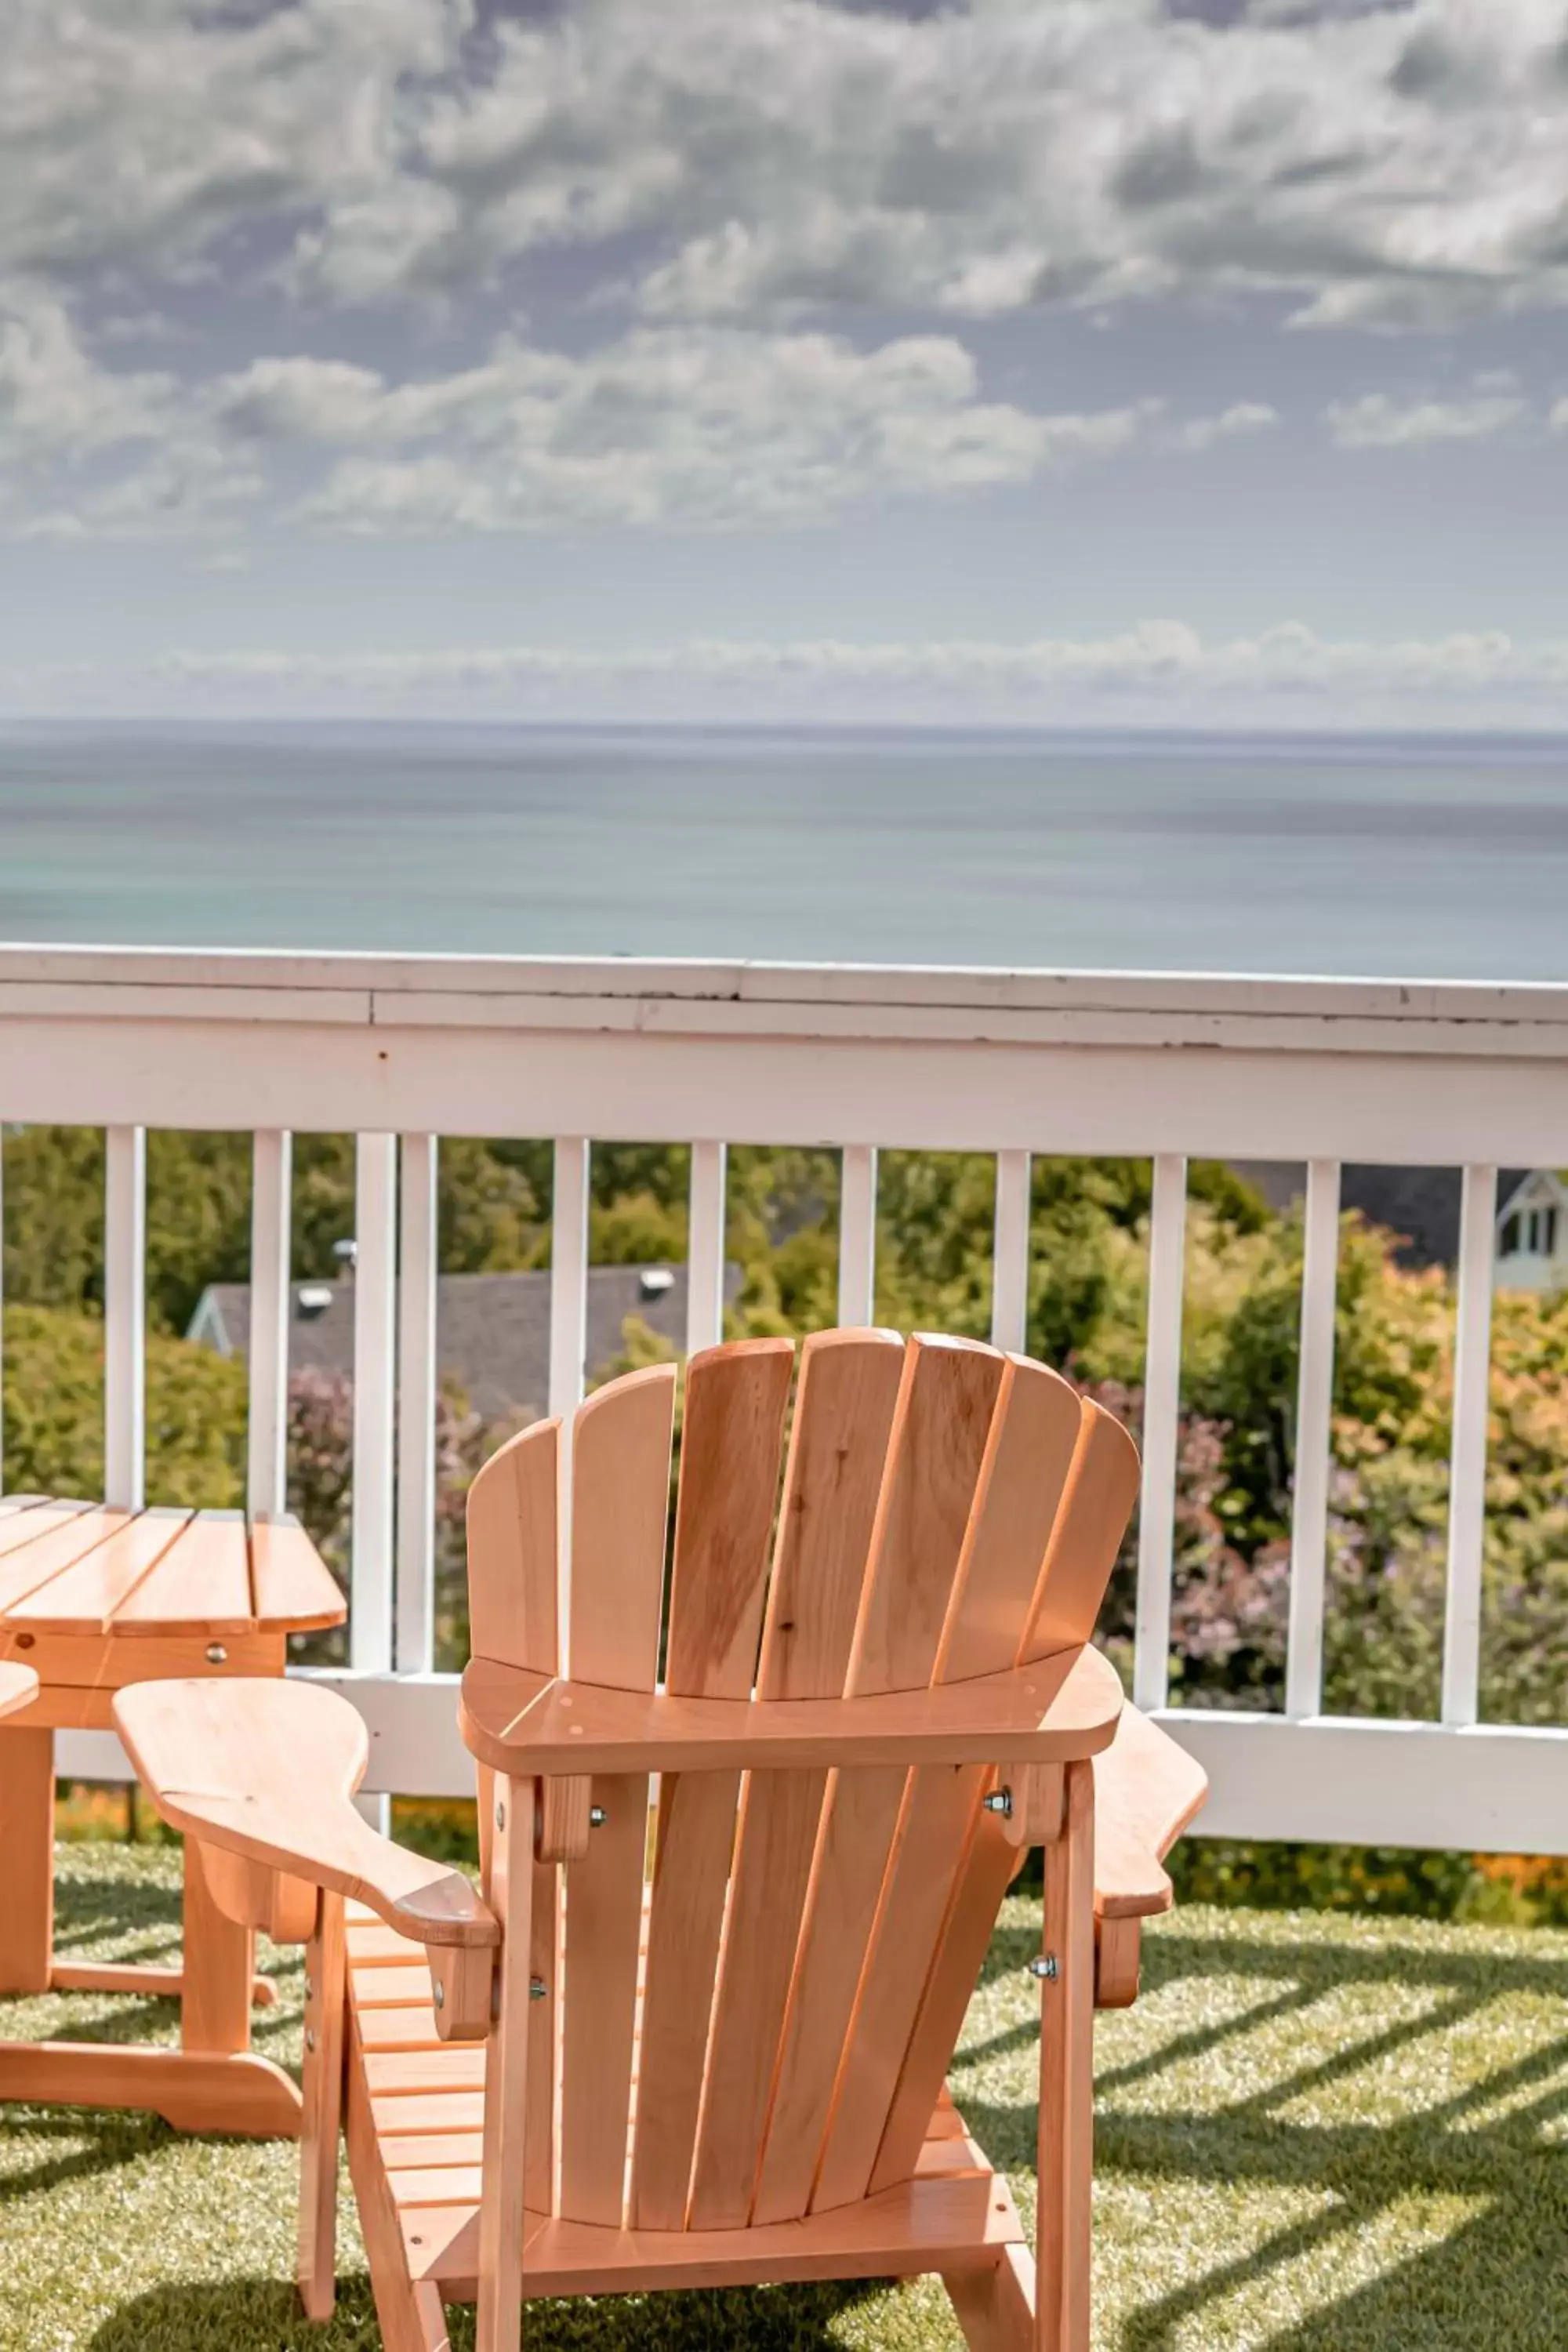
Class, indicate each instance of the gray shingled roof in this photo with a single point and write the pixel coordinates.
(492, 1331)
(1420, 1205)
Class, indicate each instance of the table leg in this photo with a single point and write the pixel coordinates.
(219, 1963)
(27, 1858)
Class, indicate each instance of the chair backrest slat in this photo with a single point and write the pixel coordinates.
(731, 1439)
(844, 1412)
(512, 1555)
(514, 1615)
(1096, 1505)
(620, 1502)
(1028, 1456)
(1102, 1487)
(1023, 1485)
(940, 1428)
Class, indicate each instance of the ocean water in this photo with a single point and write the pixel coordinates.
(1405, 857)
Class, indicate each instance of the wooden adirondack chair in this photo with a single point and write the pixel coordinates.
(716, 2054)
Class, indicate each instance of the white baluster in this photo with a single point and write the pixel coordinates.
(375, 1285)
(1314, 1399)
(1010, 1254)
(1161, 1404)
(1467, 1458)
(705, 1250)
(417, 1405)
(267, 1471)
(568, 1332)
(125, 1316)
(858, 1235)
(569, 1275)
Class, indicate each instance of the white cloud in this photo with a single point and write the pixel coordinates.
(1386, 167)
(138, 134)
(1375, 166)
(1239, 422)
(689, 427)
(1378, 421)
(87, 451)
(1558, 419)
(695, 427)
(1158, 672)
(699, 428)
(185, 489)
(57, 405)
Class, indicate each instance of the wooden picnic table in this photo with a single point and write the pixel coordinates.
(91, 1598)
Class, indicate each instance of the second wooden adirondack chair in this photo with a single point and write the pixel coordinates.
(716, 2054)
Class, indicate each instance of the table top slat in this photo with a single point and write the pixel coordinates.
(291, 1585)
(200, 1585)
(75, 1569)
(63, 1534)
(83, 1597)
(33, 1517)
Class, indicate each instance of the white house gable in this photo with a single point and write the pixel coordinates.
(1531, 1251)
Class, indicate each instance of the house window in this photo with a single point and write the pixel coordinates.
(1536, 1229)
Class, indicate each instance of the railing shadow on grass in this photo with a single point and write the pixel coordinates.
(193, 2318)
(110, 2141)
(1498, 2275)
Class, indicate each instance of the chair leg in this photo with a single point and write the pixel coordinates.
(1066, 2079)
(326, 1997)
(430, 2318)
(27, 1841)
(995, 2308)
(499, 2319)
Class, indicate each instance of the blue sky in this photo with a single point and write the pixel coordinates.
(1080, 361)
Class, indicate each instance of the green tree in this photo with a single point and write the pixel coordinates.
(53, 1434)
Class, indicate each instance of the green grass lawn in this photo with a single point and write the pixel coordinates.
(1314, 2133)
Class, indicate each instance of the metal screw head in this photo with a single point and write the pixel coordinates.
(1044, 1968)
(1000, 1800)
(537, 1989)
(310, 1991)
(439, 1997)
(310, 2037)
(597, 1817)
(216, 1655)
(500, 1814)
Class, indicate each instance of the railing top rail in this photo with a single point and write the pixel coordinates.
(800, 999)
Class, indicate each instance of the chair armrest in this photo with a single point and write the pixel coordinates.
(1146, 1791)
(19, 1688)
(1056, 1710)
(267, 1770)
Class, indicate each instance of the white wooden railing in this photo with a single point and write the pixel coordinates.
(401, 1050)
